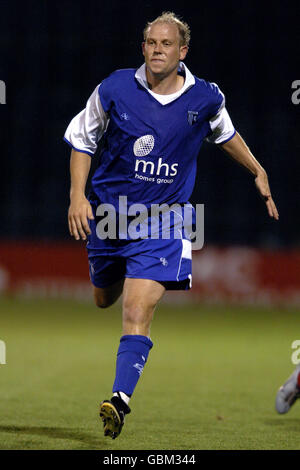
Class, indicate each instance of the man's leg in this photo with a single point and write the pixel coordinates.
(289, 392)
(140, 297)
(106, 296)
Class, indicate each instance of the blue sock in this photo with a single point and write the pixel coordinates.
(132, 356)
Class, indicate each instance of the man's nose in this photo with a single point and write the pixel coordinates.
(157, 48)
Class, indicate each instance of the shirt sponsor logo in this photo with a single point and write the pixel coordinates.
(150, 167)
(143, 146)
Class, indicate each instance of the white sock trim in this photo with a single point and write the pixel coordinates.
(123, 396)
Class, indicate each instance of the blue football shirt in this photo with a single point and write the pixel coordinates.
(150, 148)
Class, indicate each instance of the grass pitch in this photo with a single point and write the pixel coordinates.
(210, 381)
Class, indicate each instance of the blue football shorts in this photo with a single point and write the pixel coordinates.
(167, 261)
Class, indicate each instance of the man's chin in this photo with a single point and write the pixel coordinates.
(157, 70)
(158, 67)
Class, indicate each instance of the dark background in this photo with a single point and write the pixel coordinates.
(52, 56)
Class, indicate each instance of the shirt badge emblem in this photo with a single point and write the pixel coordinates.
(192, 117)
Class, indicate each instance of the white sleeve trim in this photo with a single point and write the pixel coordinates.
(221, 126)
(86, 128)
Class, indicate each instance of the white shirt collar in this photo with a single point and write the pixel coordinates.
(140, 75)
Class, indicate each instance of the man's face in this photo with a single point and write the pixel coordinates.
(162, 50)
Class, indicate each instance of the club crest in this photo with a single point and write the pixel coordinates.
(192, 117)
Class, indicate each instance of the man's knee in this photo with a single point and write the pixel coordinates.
(103, 302)
(137, 314)
(105, 297)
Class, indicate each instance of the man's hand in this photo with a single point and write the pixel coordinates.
(80, 211)
(262, 185)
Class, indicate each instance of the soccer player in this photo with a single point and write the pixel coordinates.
(288, 393)
(152, 122)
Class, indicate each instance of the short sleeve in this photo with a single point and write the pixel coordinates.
(221, 126)
(86, 128)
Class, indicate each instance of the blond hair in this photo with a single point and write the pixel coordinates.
(170, 18)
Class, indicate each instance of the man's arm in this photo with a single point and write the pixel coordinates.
(80, 209)
(240, 152)
(83, 134)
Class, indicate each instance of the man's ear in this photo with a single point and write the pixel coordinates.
(183, 52)
(143, 47)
